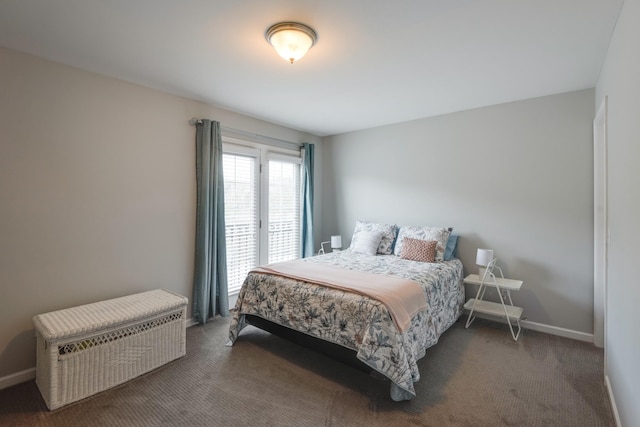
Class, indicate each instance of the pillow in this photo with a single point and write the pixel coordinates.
(366, 242)
(419, 250)
(450, 250)
(439, 234)
(388, 234)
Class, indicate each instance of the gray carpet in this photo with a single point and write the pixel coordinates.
(472, 377)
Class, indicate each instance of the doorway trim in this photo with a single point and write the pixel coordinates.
(600, 226)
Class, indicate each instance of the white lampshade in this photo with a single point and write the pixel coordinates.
(484, 257)
(291, 40)
(336, 242)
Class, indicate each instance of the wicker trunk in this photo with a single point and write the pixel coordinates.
(87, 349)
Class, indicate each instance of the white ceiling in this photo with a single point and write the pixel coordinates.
(376, 62)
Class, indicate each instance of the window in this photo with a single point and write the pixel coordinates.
(284, 211)
(240, 215)
(261, 187)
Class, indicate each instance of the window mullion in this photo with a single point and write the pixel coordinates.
(264, 208)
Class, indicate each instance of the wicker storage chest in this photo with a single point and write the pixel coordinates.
(87, 349)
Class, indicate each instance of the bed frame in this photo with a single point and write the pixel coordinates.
(329, 349)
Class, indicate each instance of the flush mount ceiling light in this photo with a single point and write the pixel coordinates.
(291, 40)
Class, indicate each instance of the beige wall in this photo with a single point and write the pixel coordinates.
(619, 82)
(97, 192)
(516, 177)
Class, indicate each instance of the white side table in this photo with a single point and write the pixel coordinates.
(502, 309)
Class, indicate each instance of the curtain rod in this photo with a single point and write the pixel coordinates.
(254, 136)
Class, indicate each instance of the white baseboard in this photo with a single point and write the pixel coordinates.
(17, 378)
(541, 327)
(555, 330)
(612, 399)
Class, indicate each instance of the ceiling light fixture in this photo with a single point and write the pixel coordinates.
(291, 40)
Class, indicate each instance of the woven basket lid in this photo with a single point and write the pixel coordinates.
(84, 319)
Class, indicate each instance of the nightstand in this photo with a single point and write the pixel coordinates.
(504, 308)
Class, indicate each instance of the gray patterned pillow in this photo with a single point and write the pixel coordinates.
(439, 234)
(388, 234)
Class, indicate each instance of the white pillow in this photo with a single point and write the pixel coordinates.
(366, 242)
(388, 234)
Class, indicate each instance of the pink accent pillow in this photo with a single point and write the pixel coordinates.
(419, 250)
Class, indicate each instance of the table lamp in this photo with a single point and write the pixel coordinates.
(483, 258)
(336, 243)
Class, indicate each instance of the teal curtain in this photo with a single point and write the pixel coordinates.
(308, 247)
(210, 287)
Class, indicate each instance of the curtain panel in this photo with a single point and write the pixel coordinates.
(210, 287)
(308, 246)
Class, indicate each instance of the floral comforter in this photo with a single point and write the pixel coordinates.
(356, 321)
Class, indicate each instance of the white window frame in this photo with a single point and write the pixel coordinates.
(264, 237)
(243, 150)
(263, 153)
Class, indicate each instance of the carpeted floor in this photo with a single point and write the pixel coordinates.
(472, 377)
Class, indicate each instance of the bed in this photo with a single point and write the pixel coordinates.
(354, 320)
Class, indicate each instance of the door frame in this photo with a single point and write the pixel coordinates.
(600, 225)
